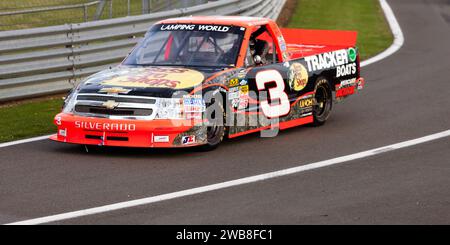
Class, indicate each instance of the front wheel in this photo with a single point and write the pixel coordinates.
(215, 130)
(323, 101)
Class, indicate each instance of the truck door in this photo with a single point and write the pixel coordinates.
(268, 76)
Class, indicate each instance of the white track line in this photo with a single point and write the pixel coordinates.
(24, 141)
(396, 45)
(396, 31)
(228, 184)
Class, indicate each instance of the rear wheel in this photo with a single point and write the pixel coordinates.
(323, 102)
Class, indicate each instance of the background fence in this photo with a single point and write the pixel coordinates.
(49, 60)
(16, 15)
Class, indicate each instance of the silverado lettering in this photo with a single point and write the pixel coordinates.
(105, 126)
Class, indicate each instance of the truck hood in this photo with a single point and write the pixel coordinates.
(144, 81)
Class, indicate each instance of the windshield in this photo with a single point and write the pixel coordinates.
(188, 45)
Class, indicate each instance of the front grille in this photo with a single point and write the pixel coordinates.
(128, 99)
(93, 137)
(111, 138)
(117, 106)
(113, 112)
(114, 138)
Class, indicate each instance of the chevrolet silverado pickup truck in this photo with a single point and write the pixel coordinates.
(194, 81)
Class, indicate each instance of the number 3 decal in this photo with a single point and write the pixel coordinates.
(276, 93)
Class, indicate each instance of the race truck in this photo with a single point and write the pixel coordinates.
(194, 81)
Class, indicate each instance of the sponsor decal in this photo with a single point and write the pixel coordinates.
(308, 102)
(188, 140)
(213, 28)
(243, 82)
(234, 89)
(327, 60)
(242, 74)
(62, 132)
(157, 77)
(235, 102)
(352, 54)
(178, 27)
(345, 91)
(298, 77)
(243, 104)
(114, 90)
(283, 47)
(305, 105)
(282, 43)
(345, 70)
(161, 138)
(110, 104)
(348, 87)
(306, 112)
(234, 82)
(233, 95)
(193, 115)
(360, 83)
(193, 106)
(189, 27)
(243, 90)
(193, 103)
(347, 83)
(239, 97)
(105, 126)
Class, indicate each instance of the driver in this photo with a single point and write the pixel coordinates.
(259, 50)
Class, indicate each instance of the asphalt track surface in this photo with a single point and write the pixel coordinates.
(407, 96)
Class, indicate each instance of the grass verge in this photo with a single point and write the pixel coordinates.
(35, 118)
(364, 16)
(28, 119)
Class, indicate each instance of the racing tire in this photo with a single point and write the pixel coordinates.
(323, 102)
(216, 131)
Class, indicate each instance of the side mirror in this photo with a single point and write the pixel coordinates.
(257, 59)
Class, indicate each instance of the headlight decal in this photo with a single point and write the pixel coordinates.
(69, 103)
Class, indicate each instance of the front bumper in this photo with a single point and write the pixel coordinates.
(129, 133)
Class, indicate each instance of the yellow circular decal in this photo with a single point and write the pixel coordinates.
(156, 77)
(298, 76)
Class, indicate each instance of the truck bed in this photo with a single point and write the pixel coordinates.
(305, 42)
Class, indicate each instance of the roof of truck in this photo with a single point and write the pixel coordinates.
(218, 20)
